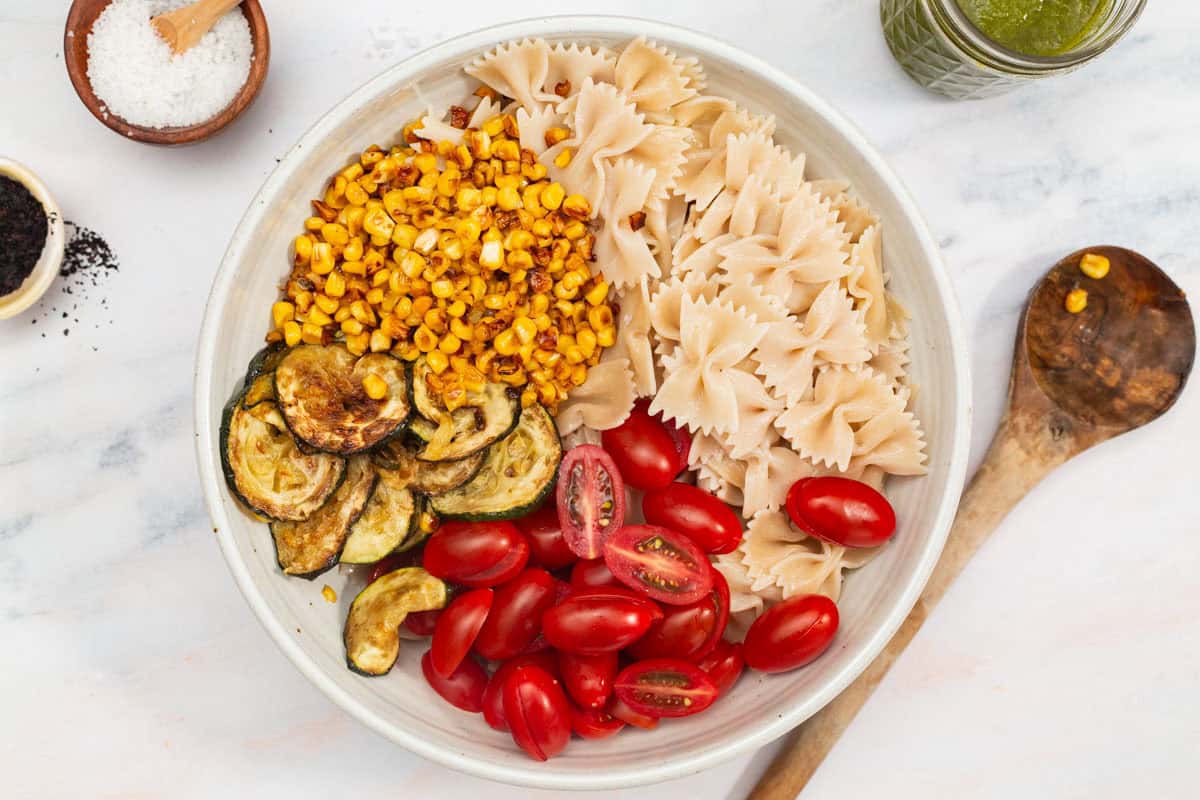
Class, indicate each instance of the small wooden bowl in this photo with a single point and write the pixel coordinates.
(83, 15)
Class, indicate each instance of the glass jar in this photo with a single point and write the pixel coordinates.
(940, 49)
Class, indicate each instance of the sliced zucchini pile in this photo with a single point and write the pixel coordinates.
(518, 472)
(487, 417)
(266, 470)
(372, 633)
(260, 375)
(320, 392)
(308, 548)
(387, 523)
(426, 477)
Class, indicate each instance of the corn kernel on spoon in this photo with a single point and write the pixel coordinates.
(183, 27)
(1105, 346)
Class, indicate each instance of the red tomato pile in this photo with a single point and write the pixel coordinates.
(590, 624)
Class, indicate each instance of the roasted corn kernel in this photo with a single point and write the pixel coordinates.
(1094, 265)
(1076, 301)
(375, 386)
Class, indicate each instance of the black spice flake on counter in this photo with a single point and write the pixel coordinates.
(23, 229)
(87, 261)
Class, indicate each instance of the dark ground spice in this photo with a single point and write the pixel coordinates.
(87, 261)
(23, 229)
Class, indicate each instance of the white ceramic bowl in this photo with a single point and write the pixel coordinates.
(48, 264)
(400, 706)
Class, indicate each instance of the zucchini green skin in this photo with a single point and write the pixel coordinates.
(426, 477)
(264, 361)
(380, 529)
(260, 390)
(372, 631)
(476, 500)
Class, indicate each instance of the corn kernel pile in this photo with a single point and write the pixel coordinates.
(464, 255)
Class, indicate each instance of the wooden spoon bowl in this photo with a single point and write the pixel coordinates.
(80, 20)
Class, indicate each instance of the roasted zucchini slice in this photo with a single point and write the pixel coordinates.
(322, 398)
(267, 471)
(389, 519)
(488, 417)
(308, 548)
(265, 361)
(260, 390)
(518, 472)
(372, 633)
(427, 477)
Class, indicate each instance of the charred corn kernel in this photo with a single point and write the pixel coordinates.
(493, 302)
(378, 223)
(519, 261)
(394, 203)
(508, 199)
(555, 135)
(452, 246)
(428, 522)
(578, 375)
(311, 333)
(425, 162)
(380, 342)
(327, 591)
(480, 143)
(506, 343)
(442, 288)
(392, 326)
(354, 219)
(487, 196)
(586, 341)
(410, 352)
(507, 150)
(606, 337)
(418, 193)
(575, 355)
(572, 280)
(576, 206)
(492, 255)
(318, 317)
(529, 397)
(282, 312)
(335, 284)
(342, 314)
(356, 194)
(493, 126)
(303, 301)
(322, 258)
(456, 309)
(304, 248)
(507, 182)
(404, 308)
(381, 278)
(449, 344)
(600, 317)
(335, 233)
(314, 224)
(413, 264)
(525, 329)
(563, 158)
(534, 172)
(576, 230)
(437, 361)
(597, 294)
(375, 296)
(468, 198)
(1094, 265)
(518, 239)
(404, 236)
(291, 333)
(462, 330)
(426, 241)
(469, 230)
(352, 327)
(552, 196)
(564, 292)
(362, 312)
(478, 287)
(425, 339)
(1076, 300)
(447, 184)
(375, 386)
(353, 251)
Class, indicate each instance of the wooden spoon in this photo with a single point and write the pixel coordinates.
(185, 26)
(1077, 380)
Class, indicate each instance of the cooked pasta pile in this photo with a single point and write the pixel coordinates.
(753, 301)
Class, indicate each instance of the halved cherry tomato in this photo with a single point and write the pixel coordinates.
(590, 499)
(547, 547)
(395, 561)
(515, 618)
(696, 514)
(643, 450)
(493, 696)
(620, 710)
(791, 633)
(588, 679)
(422, 623)
(664, 564)
(591, 624)
(723, 665)
(665, 687)
(594, 723)
(690, 631)
(592, 572)
(841, 510)
(537, 712)
(463, 688)
(476, 554)
(457, 628)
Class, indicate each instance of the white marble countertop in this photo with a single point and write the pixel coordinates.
(1063, 664)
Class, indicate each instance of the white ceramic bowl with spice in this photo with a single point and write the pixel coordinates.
(50, 261)
(400, 705)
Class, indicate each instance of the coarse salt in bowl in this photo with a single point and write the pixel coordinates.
(760, 707)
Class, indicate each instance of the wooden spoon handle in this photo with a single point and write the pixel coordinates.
(184, 27)
(1011, 468)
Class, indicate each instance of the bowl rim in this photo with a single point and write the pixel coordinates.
(777, 725)
(50, 261)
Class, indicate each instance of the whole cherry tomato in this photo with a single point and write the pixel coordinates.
(723, 665)
(457, 628)
(696, 514)
(422, 623)
(592, 624)
(665, 687)
(679, 435)
(664, 564)
(592, 572)
(594, 723)
(644, 451)
(791, 633)
(515, 618)
(547, 547)
(493, 697)
(409, 558)
(620, 710)
(537, 712)
(476, 554)
(690, 631)
(463, 688)
(590, 499)
(841, 510)
(588, 679)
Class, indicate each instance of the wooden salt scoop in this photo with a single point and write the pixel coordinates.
(1077, 380)
(184, 27)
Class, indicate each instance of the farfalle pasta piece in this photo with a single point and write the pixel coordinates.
(770, 472)
(569, 66)
(832, 332)
(754, 153)
(633, 337)
(663, 225)
(811, 241)
(517, 70)
(757, 410)
(533, 125)
(778, 555)
(653, 77)
(581, 435)
(755, 259)
(691, 256)
(891, 441)
(667, 302)
(623, 256)
(823, 428)
(743, 294)
(663, 151)
(601, 402)
(854, 216)
(742, 598)
(754, 209)
(891, 360)
(866, 282)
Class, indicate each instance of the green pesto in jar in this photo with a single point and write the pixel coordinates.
(1036, 27)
